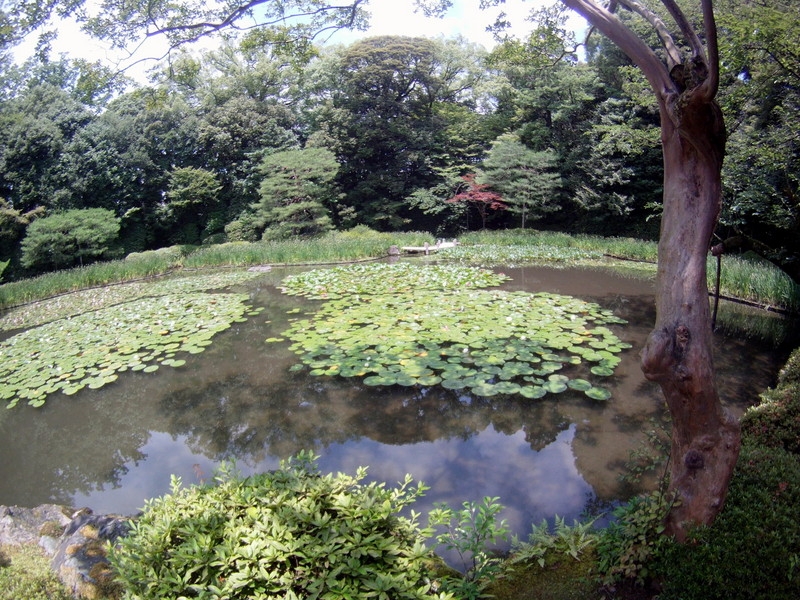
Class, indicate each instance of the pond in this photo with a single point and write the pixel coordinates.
(112, 448)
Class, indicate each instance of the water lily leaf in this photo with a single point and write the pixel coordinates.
(579, 385)
(533, 391)
(477, 338)
(554, 387)
(598, 393)
(602, 370)
(380, 380)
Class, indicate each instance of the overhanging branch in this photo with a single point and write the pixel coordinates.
(642, 55)
(673, 53)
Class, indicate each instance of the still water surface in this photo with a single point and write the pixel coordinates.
(112, 448)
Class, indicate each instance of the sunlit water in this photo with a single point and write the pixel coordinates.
(112, 448)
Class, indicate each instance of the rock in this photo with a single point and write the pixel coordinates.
(81, 561)
(41, 525)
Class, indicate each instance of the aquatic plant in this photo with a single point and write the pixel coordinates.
(75, 303)
(382, 278)
(486, 341)
(91, 349)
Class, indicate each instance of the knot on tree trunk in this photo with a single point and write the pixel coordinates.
(664, 354)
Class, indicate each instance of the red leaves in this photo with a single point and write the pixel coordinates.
(479, 193)
(479, 196)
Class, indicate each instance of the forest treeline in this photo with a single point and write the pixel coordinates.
(262, 140)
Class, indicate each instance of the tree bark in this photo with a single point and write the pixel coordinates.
(679, 352)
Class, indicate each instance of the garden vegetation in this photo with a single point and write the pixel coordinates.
(365, 533)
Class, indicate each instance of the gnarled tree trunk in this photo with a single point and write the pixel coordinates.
(678, 354)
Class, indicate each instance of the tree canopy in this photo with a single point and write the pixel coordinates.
(405, 117)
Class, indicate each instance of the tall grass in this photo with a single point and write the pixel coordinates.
(359, 243)
(759, 282)
(628, 248)
(97, 274)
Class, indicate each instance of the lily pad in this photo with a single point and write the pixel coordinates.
(598, 393)
(90, 349)
(382, 278)
(491, 341)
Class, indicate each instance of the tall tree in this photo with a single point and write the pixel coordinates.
(527, 179)
(296, 193)
(678, 354)
(382, 124)
(761, 98)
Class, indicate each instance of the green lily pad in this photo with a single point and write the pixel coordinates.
(579, 385)
(602, 370)
(479, 339)
(598, 393)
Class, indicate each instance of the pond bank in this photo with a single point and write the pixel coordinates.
(75, 543)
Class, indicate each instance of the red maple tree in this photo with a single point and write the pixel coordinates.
(478, 195)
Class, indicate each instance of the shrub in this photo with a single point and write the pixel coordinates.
(753, 548)
(468, 531)
(627, 548)
(775, 422)
(290, 533)
(64, 239)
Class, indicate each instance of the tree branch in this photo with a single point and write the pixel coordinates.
(673, 53)
(686, 29)
(711, 85)
(643, 56)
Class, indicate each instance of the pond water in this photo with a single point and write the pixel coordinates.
(112, 448)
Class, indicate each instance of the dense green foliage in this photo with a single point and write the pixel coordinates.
(753, 548)
(389, 125)
(290, 533)
(69, 238)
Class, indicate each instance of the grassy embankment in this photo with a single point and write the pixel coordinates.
(753, 281)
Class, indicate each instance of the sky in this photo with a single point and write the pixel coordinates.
(389, 17)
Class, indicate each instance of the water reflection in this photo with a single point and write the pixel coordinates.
(114, 447)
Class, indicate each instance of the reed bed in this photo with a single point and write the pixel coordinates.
(357, 244)
(758, 282)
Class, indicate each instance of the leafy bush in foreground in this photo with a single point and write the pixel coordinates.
(290, 533)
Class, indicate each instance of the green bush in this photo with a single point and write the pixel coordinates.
(775, 422)
(627, 548)
(290, 533)
(69, 238)
(752, 551)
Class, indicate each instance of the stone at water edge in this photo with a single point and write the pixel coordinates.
(41, 525)
(80, 559)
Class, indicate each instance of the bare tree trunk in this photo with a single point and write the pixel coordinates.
(678, 354)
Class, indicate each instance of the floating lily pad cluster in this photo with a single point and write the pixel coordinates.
(75, 303)
(382, 278)
(91, 349)
(485, 341)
